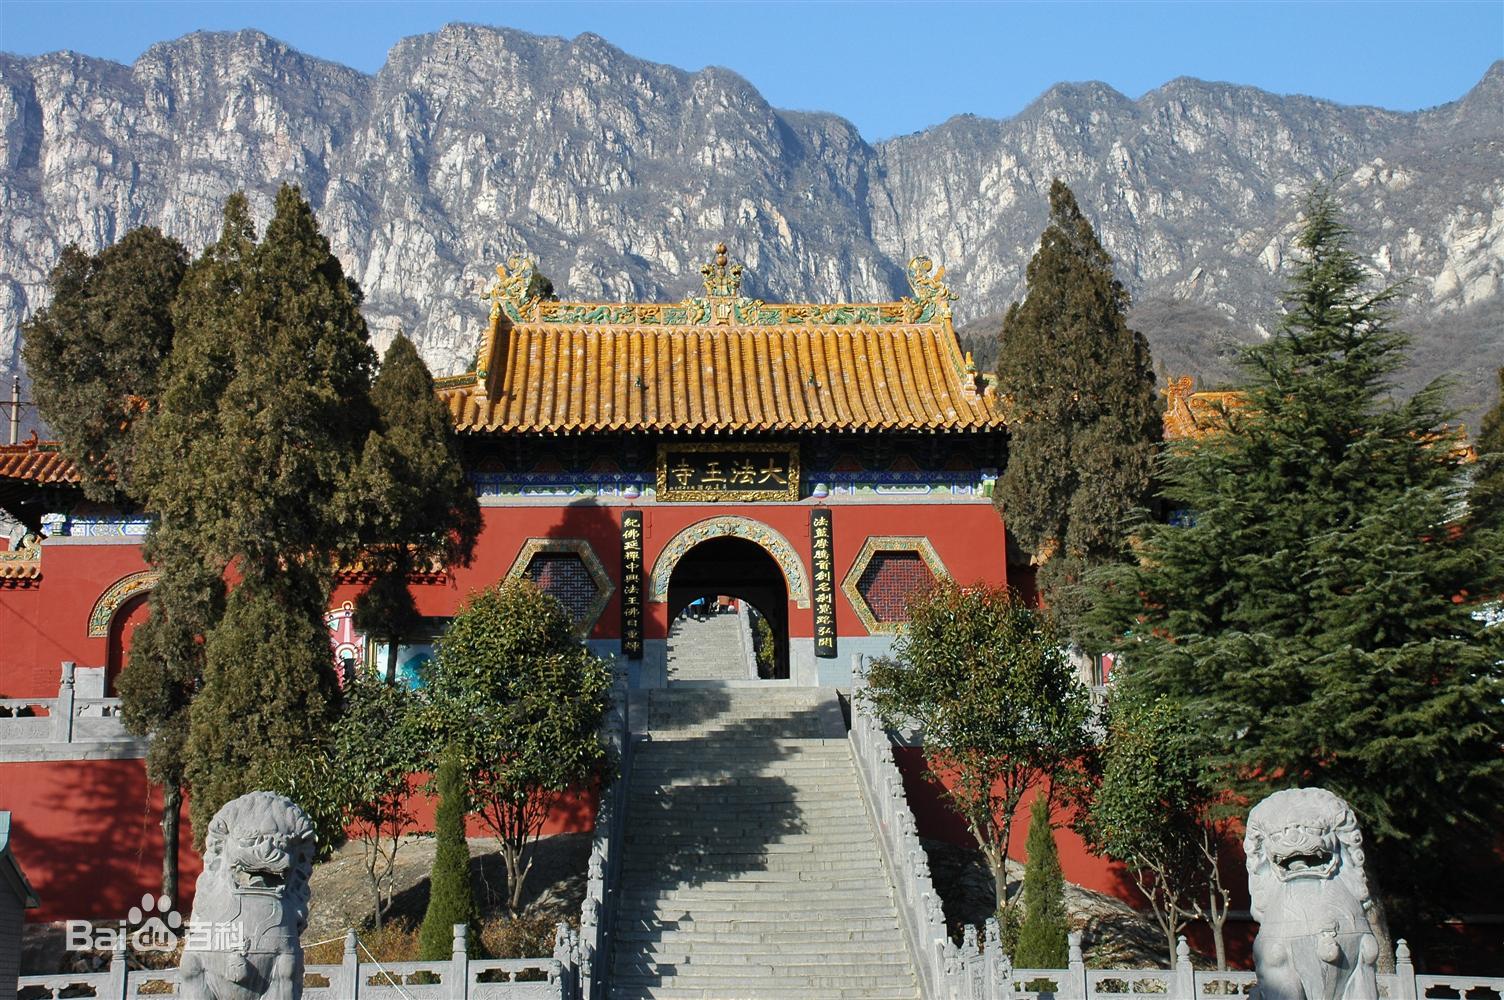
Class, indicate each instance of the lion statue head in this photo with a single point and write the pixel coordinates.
(258, 855)
(1299, 834)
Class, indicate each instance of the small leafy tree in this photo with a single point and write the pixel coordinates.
(1000, 709)
(1084, 421)
(94, 353)
(522, 699)
(1042, 938)
(377, 746)
(1152, 811)
(451, 900)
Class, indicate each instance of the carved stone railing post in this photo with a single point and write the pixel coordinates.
(1185, 972)
(62, 709)
(567, 954)
(349, 970)
(1404, 972)
(118, 987)
(458, 981)
(1075, 972)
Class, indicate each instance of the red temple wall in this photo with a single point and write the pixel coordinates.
(43, 625)
(968, 538)
(88, 835)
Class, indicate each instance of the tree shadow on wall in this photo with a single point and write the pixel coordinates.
(90, 839)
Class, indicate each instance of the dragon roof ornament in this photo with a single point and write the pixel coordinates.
(524, 295)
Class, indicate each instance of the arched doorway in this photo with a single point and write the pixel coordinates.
(736, 568)
(122, 628)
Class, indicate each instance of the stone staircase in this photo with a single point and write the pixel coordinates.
(709, 650)
(750, 867)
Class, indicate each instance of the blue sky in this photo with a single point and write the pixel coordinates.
(891, 68)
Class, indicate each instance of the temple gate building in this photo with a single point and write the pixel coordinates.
(816, 463)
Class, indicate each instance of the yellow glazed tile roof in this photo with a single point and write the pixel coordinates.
(721, 363)
(1191, 414)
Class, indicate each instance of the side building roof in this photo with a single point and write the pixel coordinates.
(718, 363)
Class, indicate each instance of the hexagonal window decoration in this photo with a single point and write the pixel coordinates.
(887, 573)
(567, 569)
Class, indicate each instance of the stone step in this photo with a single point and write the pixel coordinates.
(645, 992)
(630, 932)
(711, 952)
(739, 892)
(718, 816)
(759, 977)
(701, 867)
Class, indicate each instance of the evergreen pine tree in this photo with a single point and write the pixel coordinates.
(166, 669)
(262, 417)
(1084, 420)
(451, 900)
(1487, 498)
(94, 352)
(1042, 939)
(1314, 616)
(411, 495)
(268, 697)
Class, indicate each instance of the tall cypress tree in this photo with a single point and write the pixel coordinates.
(411, 495)
(95, 351)
(166, 670)
(1487, 498)
(1315, 616)
(1084, 421)
(451, 900)
(1042, 940)
(263, 415)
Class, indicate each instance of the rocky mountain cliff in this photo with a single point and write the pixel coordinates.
(618, 175)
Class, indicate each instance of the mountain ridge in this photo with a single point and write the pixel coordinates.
(471, 143)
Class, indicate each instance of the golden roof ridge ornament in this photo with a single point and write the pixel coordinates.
(722, 279)
(932, 297)
(519, 287)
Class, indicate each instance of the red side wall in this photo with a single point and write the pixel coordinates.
(88, 835)
(43, 625)
(937, 821)
(968, 538)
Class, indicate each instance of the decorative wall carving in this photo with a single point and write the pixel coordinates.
(731, 526)
(117, 594)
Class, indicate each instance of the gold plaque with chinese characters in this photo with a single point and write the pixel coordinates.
(823, 560)
(738, 472)
(631, 584)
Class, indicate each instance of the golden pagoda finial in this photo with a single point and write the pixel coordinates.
(722, 279)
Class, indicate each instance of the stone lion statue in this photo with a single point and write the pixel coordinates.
(251, 903)
(1305, 877)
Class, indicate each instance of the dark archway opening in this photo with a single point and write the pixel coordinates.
(735, 567)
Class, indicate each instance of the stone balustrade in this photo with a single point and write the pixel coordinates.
(78, 724)
(457, 978)
(592, 945)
